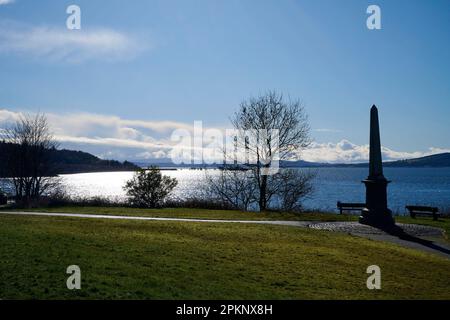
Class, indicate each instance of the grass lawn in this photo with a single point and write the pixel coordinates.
(173, 260)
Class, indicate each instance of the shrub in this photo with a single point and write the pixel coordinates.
(199, 203)
(149, 188)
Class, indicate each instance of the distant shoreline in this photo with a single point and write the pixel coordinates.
(218, 168)
(441, 160)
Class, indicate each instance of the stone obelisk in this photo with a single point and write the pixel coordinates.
(376, 212)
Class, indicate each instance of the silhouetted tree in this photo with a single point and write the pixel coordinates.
(27, 158)
(286, 128)
(149, 188)
(233, 188)
(291, 186)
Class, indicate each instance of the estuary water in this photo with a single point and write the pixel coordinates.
(413, 186)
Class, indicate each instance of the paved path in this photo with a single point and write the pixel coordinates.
(413, 236)
(104, 216)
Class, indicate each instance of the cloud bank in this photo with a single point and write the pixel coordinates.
(2, 2)
(348, 152)
(108, 136)
(61, 44)
(113, 137)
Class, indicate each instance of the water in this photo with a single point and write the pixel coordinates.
(110, 184)
(409, 186)
(414, 186)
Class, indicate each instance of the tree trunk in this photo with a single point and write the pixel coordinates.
(262, 194)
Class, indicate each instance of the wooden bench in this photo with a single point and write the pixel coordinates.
(350, 206)
(423, 210)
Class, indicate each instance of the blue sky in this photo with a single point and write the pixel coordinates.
(168, 63)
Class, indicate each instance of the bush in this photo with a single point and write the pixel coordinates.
(149, 188)
(199, 203)
(84, 202)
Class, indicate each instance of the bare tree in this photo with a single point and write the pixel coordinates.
(233, 188)
(291, 186)
(286, 132)
(28, 160)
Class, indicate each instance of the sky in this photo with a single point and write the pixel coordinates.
(138, 70)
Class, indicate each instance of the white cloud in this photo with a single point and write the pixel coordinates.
(348, 152)
(111, 142)
(327, 130)
(7, 116)
(97, 125)
(160, 154)
(61, 44)
(2, 2)
(105, 135)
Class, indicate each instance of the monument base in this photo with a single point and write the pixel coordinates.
(381, 219)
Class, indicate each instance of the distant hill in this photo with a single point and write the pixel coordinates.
(69, 161)
(437, 160)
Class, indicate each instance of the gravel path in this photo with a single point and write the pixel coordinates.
(412, 235)
(355, 227)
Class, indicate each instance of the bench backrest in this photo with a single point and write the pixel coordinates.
(422, 208)
(350, 205)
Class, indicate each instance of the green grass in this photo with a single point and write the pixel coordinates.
(173, 260)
